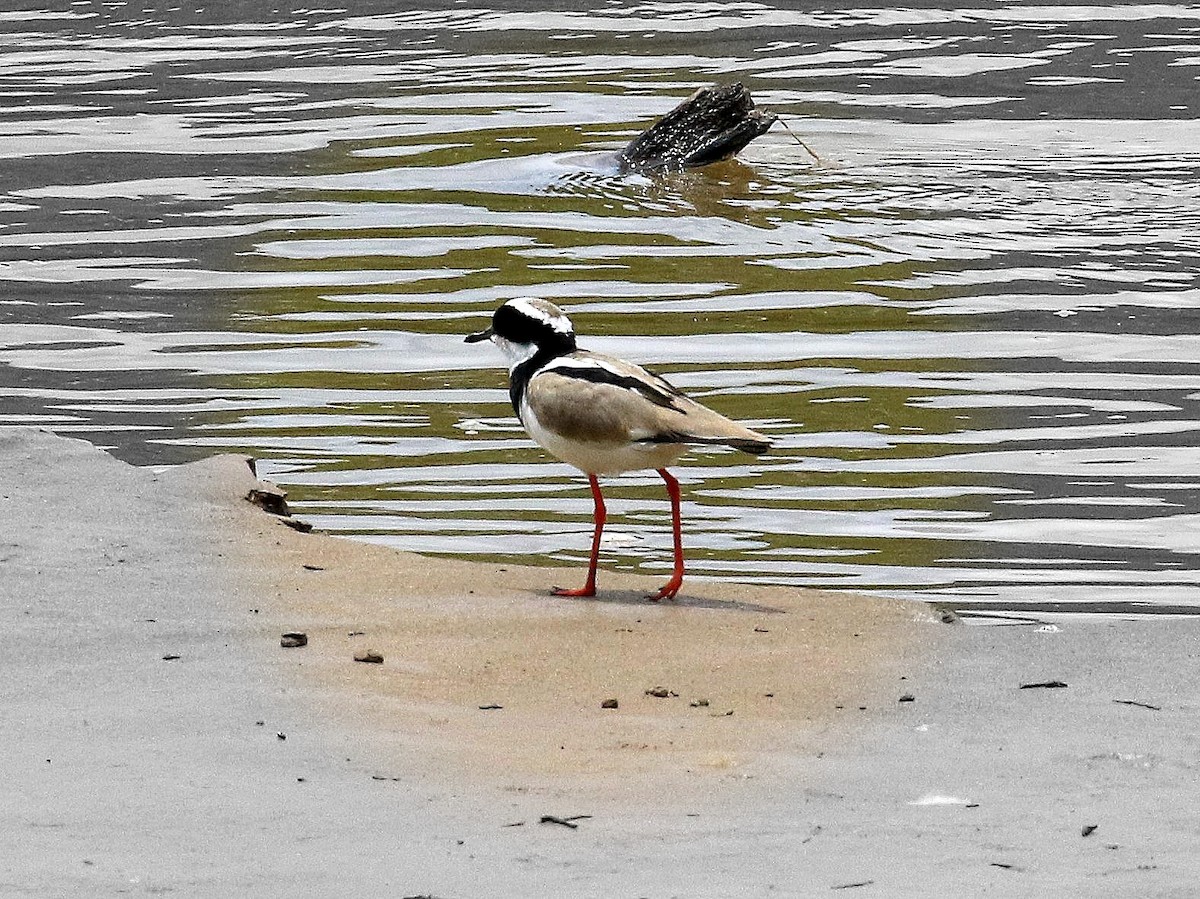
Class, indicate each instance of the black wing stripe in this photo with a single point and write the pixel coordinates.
(597, 375)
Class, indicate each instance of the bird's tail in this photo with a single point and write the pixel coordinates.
(756, 445)
(747, 441)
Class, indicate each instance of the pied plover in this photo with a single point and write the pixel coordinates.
(601, 414)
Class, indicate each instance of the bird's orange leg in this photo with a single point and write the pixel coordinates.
(599, 515)
(671, 587)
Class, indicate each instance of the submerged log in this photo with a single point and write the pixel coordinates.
(712, 124)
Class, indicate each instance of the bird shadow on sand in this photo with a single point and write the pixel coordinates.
(638, 598)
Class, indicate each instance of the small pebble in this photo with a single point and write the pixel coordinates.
(609, 704)
(370, 656)
(293, 638)
(661, 692)
(907, 697)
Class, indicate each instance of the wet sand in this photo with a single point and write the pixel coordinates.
(157, 737)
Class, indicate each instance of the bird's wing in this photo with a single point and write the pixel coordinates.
(587, 396)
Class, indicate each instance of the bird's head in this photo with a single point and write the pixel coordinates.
(526, 326)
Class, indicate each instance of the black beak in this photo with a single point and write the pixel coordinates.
(485, 334)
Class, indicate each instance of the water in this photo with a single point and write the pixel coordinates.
(971, 324)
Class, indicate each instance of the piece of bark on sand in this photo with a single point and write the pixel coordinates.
(712, 124)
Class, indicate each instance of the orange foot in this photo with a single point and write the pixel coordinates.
(586, 590)
(668, 591)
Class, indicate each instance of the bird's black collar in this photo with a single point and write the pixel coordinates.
(518, 380)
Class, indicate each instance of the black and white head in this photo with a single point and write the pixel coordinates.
(526, 327)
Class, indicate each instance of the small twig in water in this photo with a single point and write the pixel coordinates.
(800, 142)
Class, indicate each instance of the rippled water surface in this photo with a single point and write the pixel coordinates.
(972, 324)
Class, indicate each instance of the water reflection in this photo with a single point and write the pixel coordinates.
(970, 323)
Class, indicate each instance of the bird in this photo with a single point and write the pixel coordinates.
(603, 415)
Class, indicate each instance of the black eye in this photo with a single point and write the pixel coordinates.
(514, 325)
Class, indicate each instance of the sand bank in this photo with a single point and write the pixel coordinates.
(157, 737)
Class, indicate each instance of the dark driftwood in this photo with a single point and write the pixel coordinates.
(712, 124)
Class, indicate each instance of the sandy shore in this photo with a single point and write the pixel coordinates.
(158, 739)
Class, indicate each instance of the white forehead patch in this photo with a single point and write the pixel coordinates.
(543, 311)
